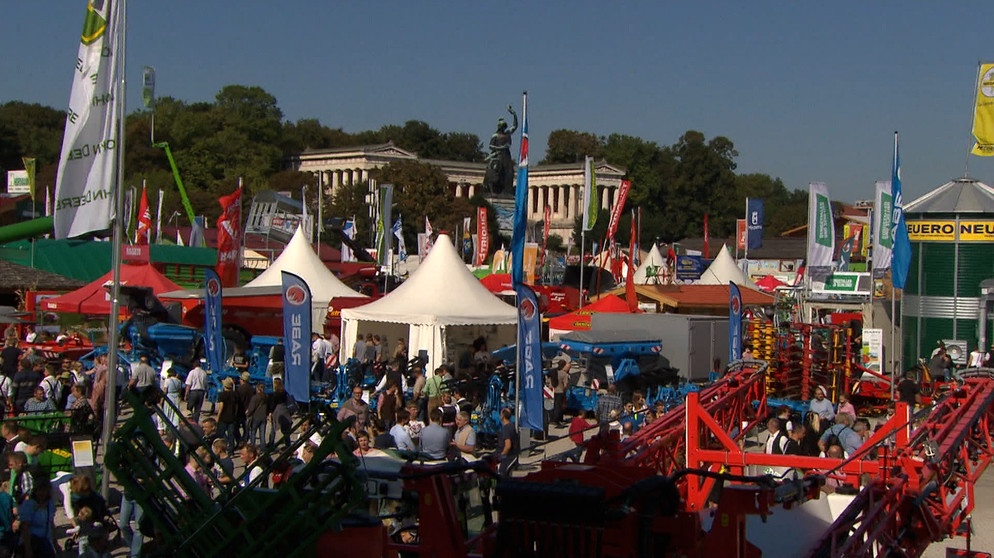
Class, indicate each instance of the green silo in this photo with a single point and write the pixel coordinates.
(952, 251)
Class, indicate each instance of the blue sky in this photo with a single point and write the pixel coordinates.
(807, 91)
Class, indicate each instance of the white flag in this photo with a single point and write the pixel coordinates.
(883, 231)
(821, 229)
(425, 246)
(85, 183)
(158, 220)
(348, 229)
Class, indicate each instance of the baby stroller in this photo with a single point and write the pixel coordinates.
(101, 535)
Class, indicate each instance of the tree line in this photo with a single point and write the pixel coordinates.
(242, 133)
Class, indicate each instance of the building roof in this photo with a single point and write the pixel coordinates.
(698, 296)
(774, 248)
(16, 276)
(963, 195)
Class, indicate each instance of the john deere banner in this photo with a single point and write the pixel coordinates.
(85, 180)
(983, 114)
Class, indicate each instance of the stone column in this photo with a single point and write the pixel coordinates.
(335, 181)
(605, 197)
(363, 175)
(472, 190)
(531, 202)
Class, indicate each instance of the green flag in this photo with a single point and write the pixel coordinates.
(592, 207)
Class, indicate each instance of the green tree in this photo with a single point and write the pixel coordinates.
(571, 146)
(350, 200)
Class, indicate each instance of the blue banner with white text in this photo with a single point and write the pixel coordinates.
(529, 359)
(734, 322)
(213, 337)
(297, 337)
(754, 223)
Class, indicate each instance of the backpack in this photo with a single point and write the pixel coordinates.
(833, 437)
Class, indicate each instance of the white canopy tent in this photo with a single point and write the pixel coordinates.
(723, 271)
(654, 262)
(299, 258)
(441, 308)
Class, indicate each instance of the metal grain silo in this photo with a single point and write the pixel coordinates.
(952, 251)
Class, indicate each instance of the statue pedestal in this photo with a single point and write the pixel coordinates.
(504, 208)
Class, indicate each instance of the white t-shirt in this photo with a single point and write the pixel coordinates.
(977, 358)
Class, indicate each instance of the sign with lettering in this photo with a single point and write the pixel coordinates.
(135, 254)
(17, 182)
(844, 283)
(950, 231)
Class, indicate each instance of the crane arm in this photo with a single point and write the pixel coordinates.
(179, 181)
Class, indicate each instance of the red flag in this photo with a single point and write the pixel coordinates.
(707, 239)
(229, 238)
(630, 296)
(740, 234)
(619, 206)
(144, 227)
(482, 235)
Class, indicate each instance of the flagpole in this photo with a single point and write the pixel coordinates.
(110, 398)
(583, 240)
(320, 216)
(746, 257)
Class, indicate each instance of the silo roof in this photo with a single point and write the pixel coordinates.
(963, 195)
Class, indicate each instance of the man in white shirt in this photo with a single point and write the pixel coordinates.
(978, 357)
(196, 388)
(319, 350)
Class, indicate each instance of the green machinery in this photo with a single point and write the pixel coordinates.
(258, 521)
(179, 181)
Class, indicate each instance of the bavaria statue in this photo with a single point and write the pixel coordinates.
(500, 166)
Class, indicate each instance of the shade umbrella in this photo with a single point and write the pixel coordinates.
(769, 283)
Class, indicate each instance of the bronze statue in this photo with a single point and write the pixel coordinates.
(500, 167)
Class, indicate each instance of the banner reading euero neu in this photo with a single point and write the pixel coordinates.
(84, 183)
(212, 321)
(296, 337)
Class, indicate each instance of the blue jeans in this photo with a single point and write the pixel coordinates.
(227, 431)
(256, 433)
(130, 511)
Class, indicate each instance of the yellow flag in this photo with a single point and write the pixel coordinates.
(983, 116)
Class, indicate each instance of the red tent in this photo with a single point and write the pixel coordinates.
(769, 283)
(94, 298)
(498, 283)
(580, 319)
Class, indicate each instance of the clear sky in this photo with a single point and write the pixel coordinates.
(807, 91)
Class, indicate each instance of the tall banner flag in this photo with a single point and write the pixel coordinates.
(482, 236)
(845, 253)
(740, 234)
(546, 226)
(398, 232)
(529, 358)
(424, 246)
(883, 242)
(143, 230)
(467, 237)
(158, 219)
(213, 337)
(148, 86)
(84, 183)
(754, 223)
(901, 258)
(619, 204)
(707, 239)
(821, 230)
(983, 114)
(383, 243)
(591, 203)
(734, 322)
(229, 238)
(520, 224)
(348, 229)
(31, 167)
(297, 336)
(630, 296)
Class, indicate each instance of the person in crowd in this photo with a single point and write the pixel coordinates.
(776, 442)
(848, 437)
(823, 406)
(508, 444)
(414, 426)
(418, 398)
(577, 427)
(378, 435)
(39, 403)
(82, 495)
(390, 401)
(25, 381)
(794, 439)
(209, 428)
(142, 376)
(257, 415)
(224, 467)
(435, 438)
(908, 390)
(978, 357)
(240, 360)
(9, 526)
(319, 350)
(30, 335)
(365, 449)
(244, 392)
(359, 349)
(277, 360)
(51, 384)
(280, 419)
(940, 364)
(6, 394)
(37, 515)
(9, 357)
(21, 480)
(253, 468)
(845, 406)
(99, 382)
(227, 411)
(434, 388)
(355, 407)
(449, 410)
(560, 376)
(196, 389)
(464, 440)
(608, 402)
(173, 388)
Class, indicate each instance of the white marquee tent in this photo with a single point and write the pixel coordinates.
(440, 309)
(654, 262)
(299, 258)
(723, 270)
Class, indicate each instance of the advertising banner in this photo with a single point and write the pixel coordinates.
(212, 321)
(529, 359)
(871, 353)
(734, 323)
(297, 337)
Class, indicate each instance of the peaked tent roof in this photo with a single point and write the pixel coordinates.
(93, 298)
(655, 259)
(723, 271)
(963, 195)
(580, 318)
(441, 291)
(299, 258)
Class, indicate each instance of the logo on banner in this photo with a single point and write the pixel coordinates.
(736, 304)
(528, 309)
(213, 286)
(823, 234)
(295, 295)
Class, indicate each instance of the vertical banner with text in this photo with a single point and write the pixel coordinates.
(883, 241)
(482, 236)
(821, 230)
(754, 223)
(529, 358)
(740, 234)
(229, 238)
(212, 321)
(734, 322)
(619, 204)
(296, 337)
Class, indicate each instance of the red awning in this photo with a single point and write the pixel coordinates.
(769, 283)
(580, 319)
(94, 298)
(498, 282)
